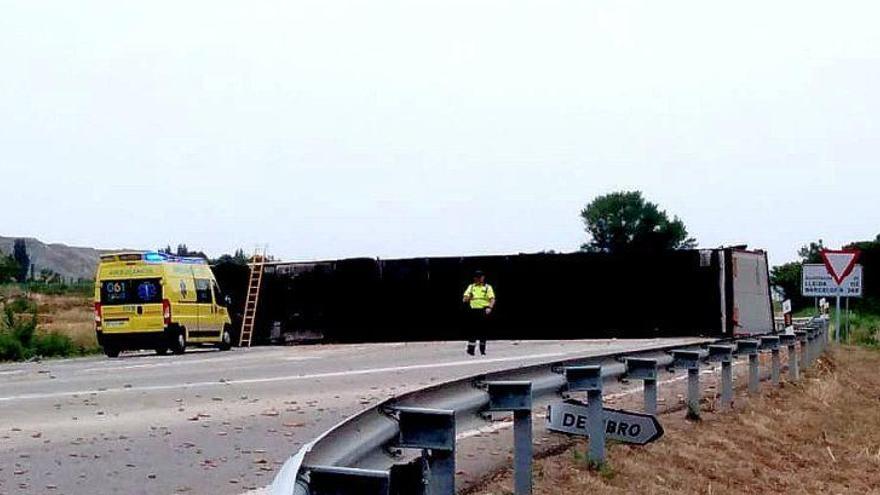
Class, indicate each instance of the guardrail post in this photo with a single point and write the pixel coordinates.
(690, 360)
(811, 345)
(816, 330)
(823, 335)
(771, 343)
(801, 336)
(589, 379)
(645, 370)
(517, 397)
(724, 354)
(331, 480)
(750, 348)
(789, 340)
(432, 430)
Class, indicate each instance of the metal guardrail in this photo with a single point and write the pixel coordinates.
(779, 322)
(367, 453)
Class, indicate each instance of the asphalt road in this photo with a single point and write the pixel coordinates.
(215, 422)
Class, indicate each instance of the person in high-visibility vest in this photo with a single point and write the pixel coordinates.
(480, 298)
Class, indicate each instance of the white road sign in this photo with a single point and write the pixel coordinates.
(817, 282)
(570, 416)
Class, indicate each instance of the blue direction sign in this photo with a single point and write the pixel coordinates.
(571, 417)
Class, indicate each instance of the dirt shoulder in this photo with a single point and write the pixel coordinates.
(821, 435)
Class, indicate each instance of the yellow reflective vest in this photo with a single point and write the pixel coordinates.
(480, 295)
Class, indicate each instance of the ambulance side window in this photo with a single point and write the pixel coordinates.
(218, 296)
(203, 291)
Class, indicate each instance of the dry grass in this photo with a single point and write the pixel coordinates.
(68, 315)
(819, 436)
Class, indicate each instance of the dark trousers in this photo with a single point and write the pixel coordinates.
(478, 328)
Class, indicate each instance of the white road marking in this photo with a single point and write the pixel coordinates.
(248, 381)
(501, 425)
(185, 362)
(13, 372)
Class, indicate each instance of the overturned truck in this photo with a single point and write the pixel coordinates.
(714, 292)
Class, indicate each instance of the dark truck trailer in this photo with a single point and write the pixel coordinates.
(715, 292)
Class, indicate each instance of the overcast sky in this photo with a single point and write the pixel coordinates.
(383, 128)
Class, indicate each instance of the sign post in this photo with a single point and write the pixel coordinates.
(840, 264)
(837, 320)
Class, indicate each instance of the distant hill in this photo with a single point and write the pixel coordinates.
(68, 261)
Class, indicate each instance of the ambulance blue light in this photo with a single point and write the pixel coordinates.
(154, 257)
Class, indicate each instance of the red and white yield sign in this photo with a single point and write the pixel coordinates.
(840, 263)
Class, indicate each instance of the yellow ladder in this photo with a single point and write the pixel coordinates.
(253, 296)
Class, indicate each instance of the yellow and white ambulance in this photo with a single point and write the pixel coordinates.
(158, 301)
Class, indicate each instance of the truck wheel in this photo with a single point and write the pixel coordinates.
(225, 339)
(111, 352)
(178, 345)
(161, 350)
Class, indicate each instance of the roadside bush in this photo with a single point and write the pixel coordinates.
(19, 338)
(22, 328)
(865, 330)
(10, 348)
(53, 344)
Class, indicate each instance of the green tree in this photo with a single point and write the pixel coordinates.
(812, 253)
(239, 258)
(19, 252)
(870, 261)
(625, 221)
(9, 269)
(182, 250)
